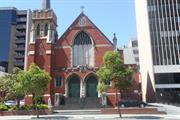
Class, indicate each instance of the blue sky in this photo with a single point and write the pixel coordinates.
(110, 16)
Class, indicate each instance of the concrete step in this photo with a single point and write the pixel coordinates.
(77, 104)
(78, 112)
(92, 103)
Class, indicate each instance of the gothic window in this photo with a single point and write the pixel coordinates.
(46, 29)
(42, 14)
(34, 14)
(83, 51)
(41, 49)
(49, 14)
(38, 30)
(82, 39)
(58, 81)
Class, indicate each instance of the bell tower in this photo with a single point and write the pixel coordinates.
(42, 37)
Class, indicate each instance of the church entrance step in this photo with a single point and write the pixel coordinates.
(78, 112)
(78, 104)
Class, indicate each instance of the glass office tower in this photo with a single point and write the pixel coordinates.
(7, 27)
(158, 25)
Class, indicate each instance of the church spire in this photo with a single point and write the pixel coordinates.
(46, 4)
(115, 41)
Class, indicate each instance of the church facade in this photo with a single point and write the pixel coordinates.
(72, 60)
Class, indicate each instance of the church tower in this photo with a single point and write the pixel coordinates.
(42, 38)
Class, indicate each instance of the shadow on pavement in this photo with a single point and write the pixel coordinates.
(142, 117)
(51, 118)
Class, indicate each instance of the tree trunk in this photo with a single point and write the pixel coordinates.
(37, 112)
(117, 101)
(33, 99)
(18, 103)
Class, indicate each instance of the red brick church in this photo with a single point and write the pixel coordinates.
(72, 60)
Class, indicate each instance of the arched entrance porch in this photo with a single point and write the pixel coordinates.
(91, 83)
(74, 86)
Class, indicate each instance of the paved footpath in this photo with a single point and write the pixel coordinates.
(93, 117)
(173, 113)
(169, 109)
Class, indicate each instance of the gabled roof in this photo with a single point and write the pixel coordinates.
(75, 23)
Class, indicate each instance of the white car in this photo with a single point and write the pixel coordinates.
(14, 102)
(10, 102)
(22, 102)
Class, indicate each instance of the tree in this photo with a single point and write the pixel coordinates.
(115, 70)
(11, 87)
(35, 82)
(6, 85)
(102, 88)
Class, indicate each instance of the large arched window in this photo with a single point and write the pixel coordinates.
(38, 30)
(46, 29)
(83, 51)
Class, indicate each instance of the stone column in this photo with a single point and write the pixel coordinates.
(82, 89)
(66, 89)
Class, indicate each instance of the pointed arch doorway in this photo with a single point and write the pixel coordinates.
(74, 87)
(91, 86)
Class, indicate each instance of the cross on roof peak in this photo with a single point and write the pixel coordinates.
(82, 8)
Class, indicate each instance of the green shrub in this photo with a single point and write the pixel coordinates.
(42, 106)
(32, 107)
(11, 108)
(3, 107)
(39, 106)
(24, 107)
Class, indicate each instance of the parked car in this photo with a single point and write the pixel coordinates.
(132, 103)
(14, 102)
(22, 102)
(10, 103)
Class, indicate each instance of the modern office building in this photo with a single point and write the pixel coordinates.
(23, 23)
(46, 4)
(7, 33)
(14, 32)
(159, 46)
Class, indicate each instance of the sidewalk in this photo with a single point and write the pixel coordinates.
(169, 109)
(173, 113)
(93, 117)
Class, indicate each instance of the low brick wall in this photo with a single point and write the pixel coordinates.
(131, 111)
(25, 112)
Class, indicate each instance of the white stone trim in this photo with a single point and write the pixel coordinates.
(31, 52)
(103, 45)
(32, 43)
(49, 42)
(48, 51)
(58, 93)
(112, 93)
(47, 95)
(71, 56)
(167, 85)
